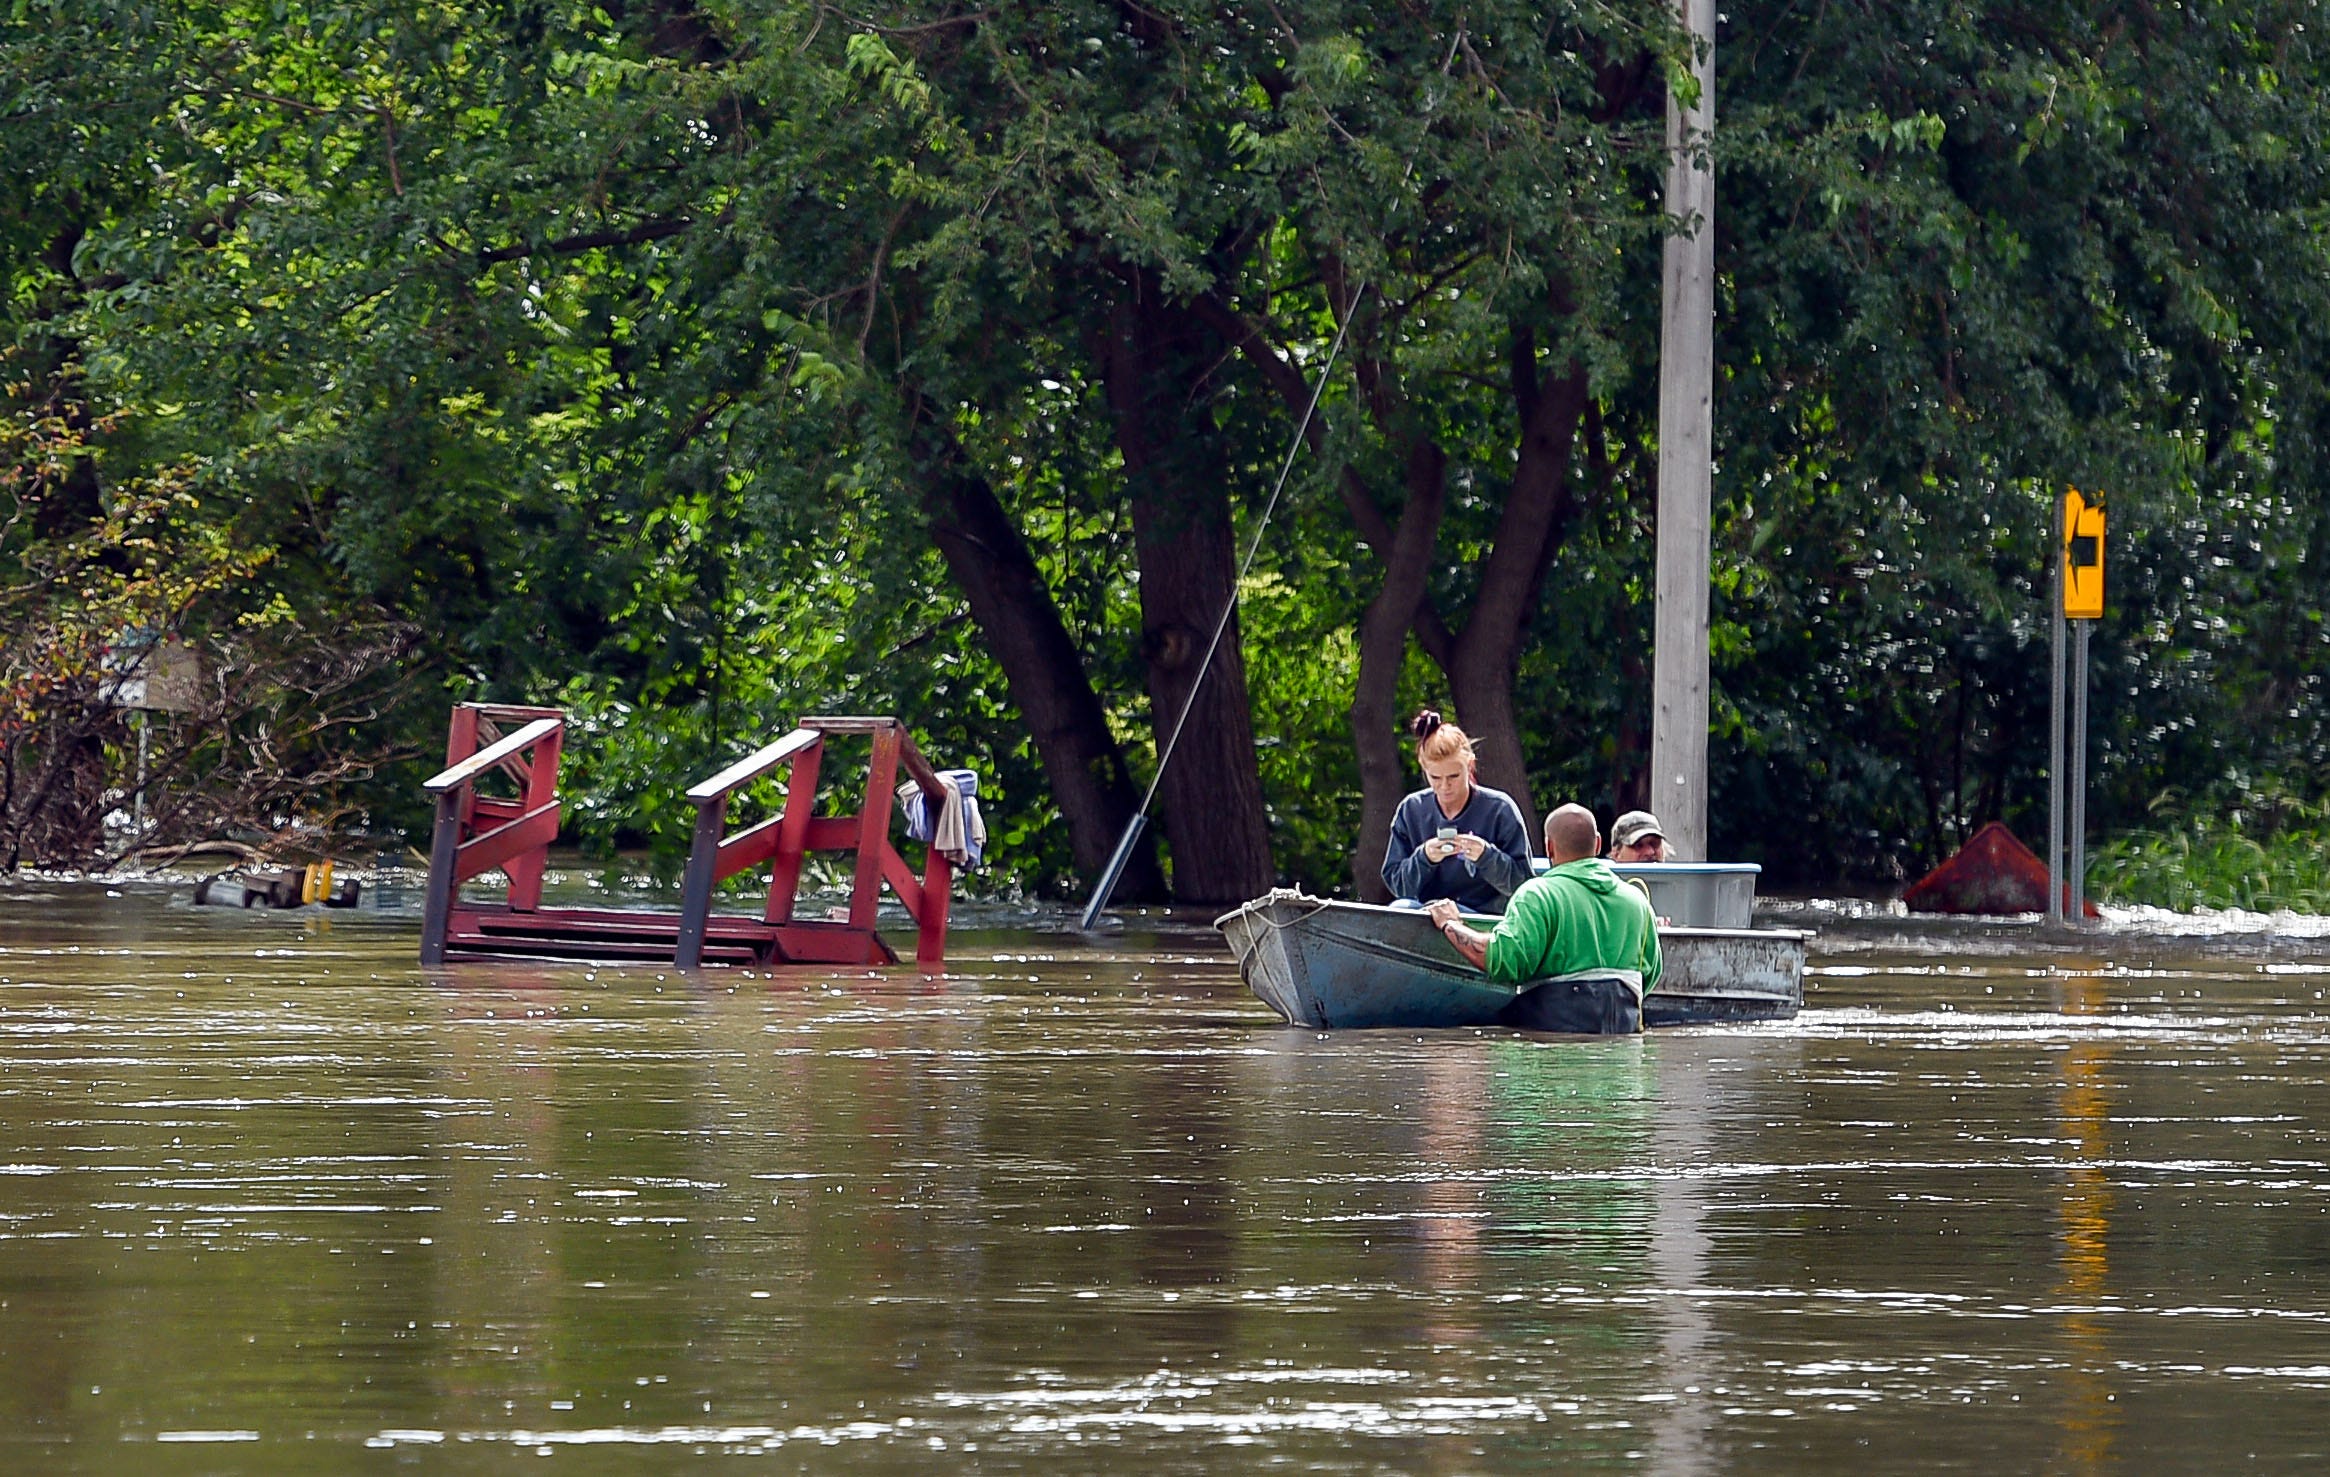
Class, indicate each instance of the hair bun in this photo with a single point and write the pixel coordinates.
(1424, 724)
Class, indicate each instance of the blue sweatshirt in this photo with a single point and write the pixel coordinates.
(1478, 887)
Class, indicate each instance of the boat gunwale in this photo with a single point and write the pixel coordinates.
(1291, 897)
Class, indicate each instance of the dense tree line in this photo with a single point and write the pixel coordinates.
(695, 365)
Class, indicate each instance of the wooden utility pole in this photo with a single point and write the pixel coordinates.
(1678, 732)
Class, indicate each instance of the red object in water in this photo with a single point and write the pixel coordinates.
(1992, 873)
(477, 834)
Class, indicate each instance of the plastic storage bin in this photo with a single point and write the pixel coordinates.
(1696, 894)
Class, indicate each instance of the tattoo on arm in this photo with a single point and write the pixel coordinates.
(1473, 945)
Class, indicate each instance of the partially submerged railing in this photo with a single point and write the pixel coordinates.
(478, 833)
(475, 833)
(785, 840)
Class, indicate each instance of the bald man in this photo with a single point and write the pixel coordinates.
(1579, 922)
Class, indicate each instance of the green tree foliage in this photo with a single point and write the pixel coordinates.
(1977, 255)
(698, 365)
(149, 627)
(2271, 855)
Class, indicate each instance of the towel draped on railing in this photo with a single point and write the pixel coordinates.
(955, 828)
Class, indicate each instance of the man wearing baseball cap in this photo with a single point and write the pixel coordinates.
(1637, 836)
(1570, 935)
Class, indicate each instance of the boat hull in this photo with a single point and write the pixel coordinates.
(1355, 966)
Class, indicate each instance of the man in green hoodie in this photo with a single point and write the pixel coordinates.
(1576, 927)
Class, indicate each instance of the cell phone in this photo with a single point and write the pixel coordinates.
(1447, 833)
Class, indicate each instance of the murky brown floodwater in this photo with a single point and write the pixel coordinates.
(273, 1199)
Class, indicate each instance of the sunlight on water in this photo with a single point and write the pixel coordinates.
(271, 1197)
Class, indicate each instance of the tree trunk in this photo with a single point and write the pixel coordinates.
(1481, 660)
(1383, 648)
(1538, 508)
(1210, 793)
(1401, 603)
(1044, 671)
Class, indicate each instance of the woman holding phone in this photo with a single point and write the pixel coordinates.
(1454, 838)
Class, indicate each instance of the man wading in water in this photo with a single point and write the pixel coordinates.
(1576, 928)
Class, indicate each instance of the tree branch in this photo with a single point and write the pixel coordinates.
(587, 241)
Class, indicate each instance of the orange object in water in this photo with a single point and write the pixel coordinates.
(1992, 873)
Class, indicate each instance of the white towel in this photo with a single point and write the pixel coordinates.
(958, 833)
(947, 834)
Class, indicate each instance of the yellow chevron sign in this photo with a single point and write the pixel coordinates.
(2082, 558)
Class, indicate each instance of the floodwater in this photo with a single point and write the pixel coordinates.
(274, 1199)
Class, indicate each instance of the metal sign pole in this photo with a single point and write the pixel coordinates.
(2079, 566)
(138, 802)
(2055, 761)
(2078, 836)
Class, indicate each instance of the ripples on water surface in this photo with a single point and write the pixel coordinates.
(274, 1199)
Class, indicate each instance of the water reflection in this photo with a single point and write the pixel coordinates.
(2084, 1112)
(1680, 1252)
(265, 1190)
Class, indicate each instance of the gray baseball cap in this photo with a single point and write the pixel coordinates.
(1633, 826)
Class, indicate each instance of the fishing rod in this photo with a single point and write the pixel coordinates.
(1140, 820)
(1140, 817)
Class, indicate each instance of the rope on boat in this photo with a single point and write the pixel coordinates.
(1287, 895)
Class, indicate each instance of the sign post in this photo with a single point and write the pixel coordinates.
(149, 672)
(2079, 600)
(2055, 756)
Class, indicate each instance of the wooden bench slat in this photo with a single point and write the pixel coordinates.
(753, 766)
(487, 758)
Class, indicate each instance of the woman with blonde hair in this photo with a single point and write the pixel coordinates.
(1455, 838)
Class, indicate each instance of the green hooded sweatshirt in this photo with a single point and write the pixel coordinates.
(1577, 918)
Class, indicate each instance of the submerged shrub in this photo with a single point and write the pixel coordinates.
(2211, 863)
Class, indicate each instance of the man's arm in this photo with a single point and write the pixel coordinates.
(1469, 942)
